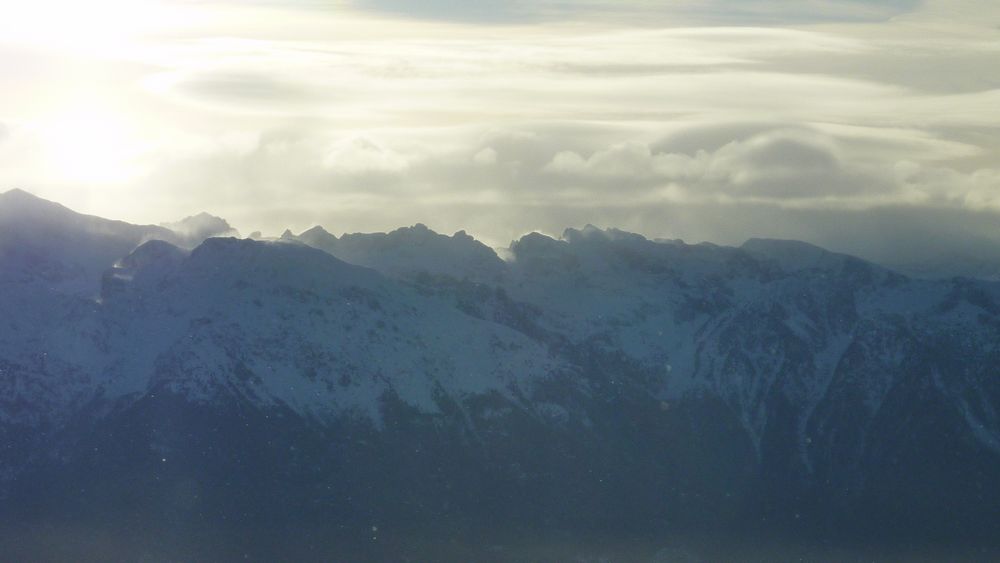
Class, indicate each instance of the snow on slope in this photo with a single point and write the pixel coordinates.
(760, 326)
(284, 323)
(773, 329)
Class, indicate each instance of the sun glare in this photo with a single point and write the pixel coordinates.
(86, 26)
(90, 146)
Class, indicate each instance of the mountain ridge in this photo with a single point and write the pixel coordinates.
(601, 381)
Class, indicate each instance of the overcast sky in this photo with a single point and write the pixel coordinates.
(871, 127)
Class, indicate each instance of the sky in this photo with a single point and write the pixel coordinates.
(870, 127)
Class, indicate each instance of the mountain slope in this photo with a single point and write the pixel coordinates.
(47, 244)
(597, 385)
(44, 243)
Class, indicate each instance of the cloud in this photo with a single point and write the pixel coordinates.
(946, 187)
(796, 11)
(503, 172)
(763, 179)
(625, 162)
(362, 157)
(703, 119)
(705, 11)
(637, 75)
(492, 11)
(790, 164)
(485, 157)
(244, 85)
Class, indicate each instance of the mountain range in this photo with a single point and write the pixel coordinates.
(175, 392)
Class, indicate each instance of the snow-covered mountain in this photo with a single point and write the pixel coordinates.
(596, 385)
(44, 243)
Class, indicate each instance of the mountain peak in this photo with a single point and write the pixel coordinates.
(418, 231)
(407, 251)
(316, 231)
(590, 233)
(24, 200)
(537, 245)
(43, 240)
(151, 262)
(18, 193)
(571, 234)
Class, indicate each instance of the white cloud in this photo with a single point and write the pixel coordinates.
(359, 156)
(728, 11)
(790, 164)
(485, 157)
(277, 115)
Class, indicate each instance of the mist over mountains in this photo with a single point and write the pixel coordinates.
(180, 393)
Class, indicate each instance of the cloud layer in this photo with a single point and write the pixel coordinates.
(705, 119)
(703, 11)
